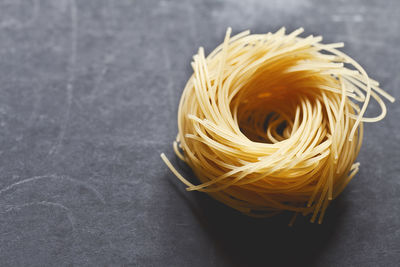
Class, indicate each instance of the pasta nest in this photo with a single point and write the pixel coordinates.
(273, 122)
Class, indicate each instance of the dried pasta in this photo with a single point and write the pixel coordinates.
(273, 122)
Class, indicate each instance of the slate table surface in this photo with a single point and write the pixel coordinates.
(88, 100)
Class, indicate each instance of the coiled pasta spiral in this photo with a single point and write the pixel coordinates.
(273, 122)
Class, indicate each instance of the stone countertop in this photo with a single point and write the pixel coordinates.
(88, 99)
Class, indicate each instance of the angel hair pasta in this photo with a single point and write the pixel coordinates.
(273, 122)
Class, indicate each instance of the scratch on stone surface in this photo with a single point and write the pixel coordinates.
(138, 142)
(71, 76)
(169, 88)
(347, 17)
(53, 176)
(108, 58)
(37, 98)
(70, 216)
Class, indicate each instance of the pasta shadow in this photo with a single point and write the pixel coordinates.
(244, 241)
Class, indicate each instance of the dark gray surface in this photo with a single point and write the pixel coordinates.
(88, 99)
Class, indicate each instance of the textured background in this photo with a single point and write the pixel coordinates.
(88, 100)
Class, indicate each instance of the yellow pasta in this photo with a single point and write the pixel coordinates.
(274, 122)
